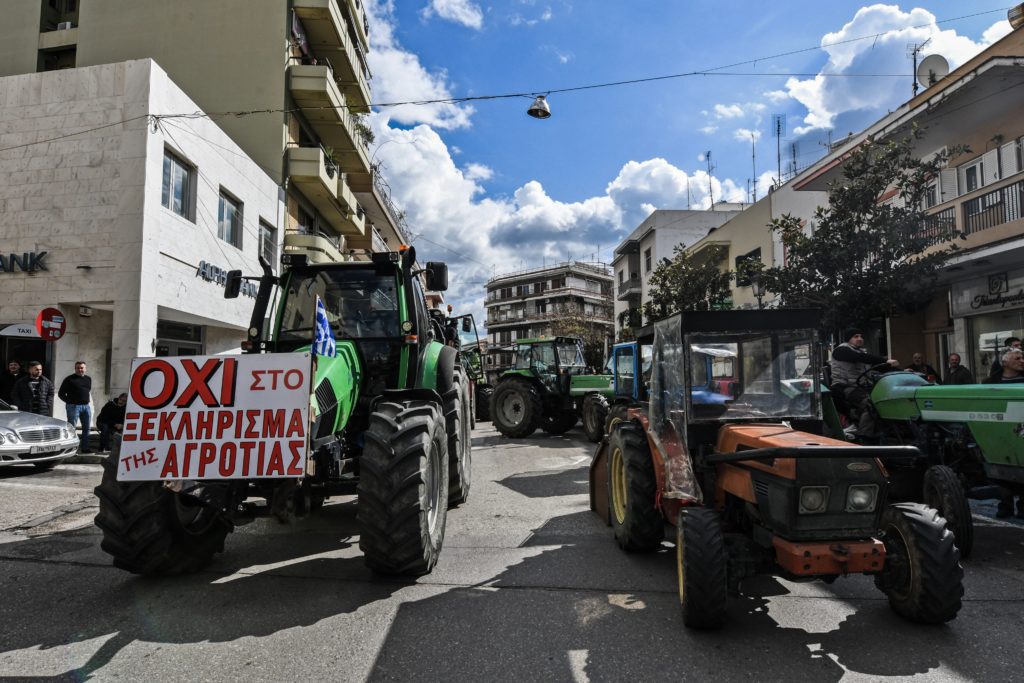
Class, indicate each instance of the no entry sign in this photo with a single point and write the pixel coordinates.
(51, 324)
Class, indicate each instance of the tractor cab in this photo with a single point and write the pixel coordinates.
(552, 360)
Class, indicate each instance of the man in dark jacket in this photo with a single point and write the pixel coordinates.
(1011, 369)
(957, 373)
(76, 391)
(111, 419)
(1008, 344)
(9, 379)
(922, 368)
(849, 361)
(33, 393)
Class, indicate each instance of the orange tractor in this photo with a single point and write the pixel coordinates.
(749, 482)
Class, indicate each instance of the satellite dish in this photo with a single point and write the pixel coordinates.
(931, 70)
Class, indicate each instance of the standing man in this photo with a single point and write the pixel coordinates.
(9, 379)
(33, 393)
(849, 361)
(75, 391)
(956, 373)
(1008, 344)
(922, 368)
(1011, 369)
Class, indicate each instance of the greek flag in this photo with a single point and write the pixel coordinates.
(323, 340)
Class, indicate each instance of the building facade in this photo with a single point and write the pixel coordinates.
(127, 226)
(654, 239)
(979, 196)
(294, 72)
(528, 303)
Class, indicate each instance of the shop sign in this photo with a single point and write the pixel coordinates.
(20, 330)
(27, 262)
(212, 273)
(993, 293)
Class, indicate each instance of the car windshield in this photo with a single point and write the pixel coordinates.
(5, 406)
(360, 304)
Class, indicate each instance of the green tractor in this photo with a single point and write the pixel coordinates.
(388, 420)
(548, 382)
(461, 332)
(970, 438)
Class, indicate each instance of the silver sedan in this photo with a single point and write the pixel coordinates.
(30, 439)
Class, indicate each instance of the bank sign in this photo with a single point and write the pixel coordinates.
(990, 294)
(218, 275)
(26, 262)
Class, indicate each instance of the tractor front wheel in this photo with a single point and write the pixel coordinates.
(458, 424)
(483, 402)
(701, 566)
(942, 490)
(516, 408)
(403, 488)
(150, 530)
(616, 414)
(595, 412)
(636, 521)
(922, 578)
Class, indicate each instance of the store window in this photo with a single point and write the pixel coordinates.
(987, 335)
(229, 220)
(178, 186)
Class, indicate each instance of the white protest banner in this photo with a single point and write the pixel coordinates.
(217, 417)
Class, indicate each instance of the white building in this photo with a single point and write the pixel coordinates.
(132, 220)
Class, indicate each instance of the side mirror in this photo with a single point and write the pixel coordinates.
(233, 285)
(467, 326)
(437, 276)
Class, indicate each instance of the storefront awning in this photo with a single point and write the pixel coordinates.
(22, 329)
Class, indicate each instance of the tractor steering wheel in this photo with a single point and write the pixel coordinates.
(869, 377)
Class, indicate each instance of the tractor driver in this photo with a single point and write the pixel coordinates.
(849, 361)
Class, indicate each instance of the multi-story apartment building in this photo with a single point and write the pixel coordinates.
(527, 303)
(980, 195)
(293, 73)
(654, 239)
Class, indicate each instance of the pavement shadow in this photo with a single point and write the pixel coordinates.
(555, 616)
(72, 601)
(538, 439)
(549, 483)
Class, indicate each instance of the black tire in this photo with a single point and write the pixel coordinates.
(616, 414)
(941, 489)
(701, 567)
(636, 522)
(458, 425)
(403, 488)
(150, 530)
(922, 578)
(483, 402)
(559, 423)
(595, 413)
(516, 407)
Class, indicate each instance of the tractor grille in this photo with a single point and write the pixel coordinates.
(39, 434)
(325, 399)
(761, 487)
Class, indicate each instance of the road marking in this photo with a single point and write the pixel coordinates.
(578, 665)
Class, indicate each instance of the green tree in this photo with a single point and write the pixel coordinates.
(571, 321)
(689, 282)
(864, 257)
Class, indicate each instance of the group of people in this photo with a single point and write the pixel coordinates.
(33, 392)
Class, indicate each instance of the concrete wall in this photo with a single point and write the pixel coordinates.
(19, 36)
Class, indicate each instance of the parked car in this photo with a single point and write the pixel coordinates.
(30, 439)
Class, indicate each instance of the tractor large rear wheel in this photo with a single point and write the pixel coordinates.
(150, 530)
(922, 578)
(516, 407)
(403, 488)
(941, 490)
(458, 424)
(701, 565)
(595, 412)
(636, 521)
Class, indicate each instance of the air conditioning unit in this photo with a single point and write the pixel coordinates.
(64, 25)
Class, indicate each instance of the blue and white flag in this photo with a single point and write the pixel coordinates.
(323, 340)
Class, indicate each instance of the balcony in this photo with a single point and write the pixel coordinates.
(986, 215)
(318, 248)
(630, 288)
(327, 32)
(324, 106)
(362, 26)
(320, 181)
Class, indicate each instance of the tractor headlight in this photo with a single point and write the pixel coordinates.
(813, 499)
(861, 498)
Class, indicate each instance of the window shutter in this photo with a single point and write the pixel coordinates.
(990, 167)
(1008, 159)
(947, 185)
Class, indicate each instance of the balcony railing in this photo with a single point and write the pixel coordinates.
(941, 224)
(557, 292)
(994, 208)
(629, 288)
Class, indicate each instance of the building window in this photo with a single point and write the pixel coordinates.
(931, 194)
(743, 261)
(971, 176)
(179, 182)
(229, 220)
(622, 276)
(268, 242)
(558, 283)
(647, 260)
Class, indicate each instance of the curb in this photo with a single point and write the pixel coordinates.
(88, 459)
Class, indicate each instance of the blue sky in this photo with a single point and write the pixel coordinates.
(490, 190)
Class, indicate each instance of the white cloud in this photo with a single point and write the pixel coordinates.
(775, 96)
(478, 172)
(708, 129)
(465, 12)
(518, 19)
(825, 98)
(728, 111)
(399, 77)
(744, 134)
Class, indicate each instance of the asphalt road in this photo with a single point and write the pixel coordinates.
(530, 586)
